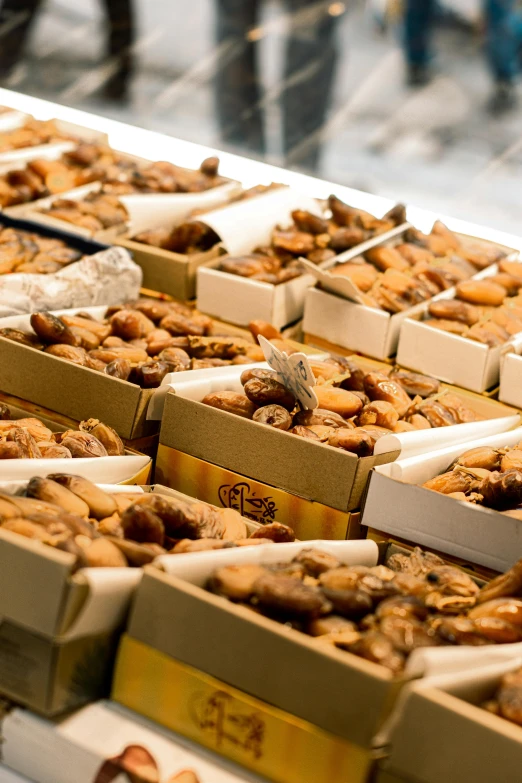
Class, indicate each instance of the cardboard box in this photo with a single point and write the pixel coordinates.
(100, 743)
(330, 316)
(397, 505)
(226, 459)
(134, 468)
(213, 692)
(8, 776)
(510, 390)
(49, 677)
(442, 734)
(451, 357)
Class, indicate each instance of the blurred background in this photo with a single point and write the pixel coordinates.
(414, 99)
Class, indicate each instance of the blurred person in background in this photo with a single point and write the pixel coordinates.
(503, 44)
(17, 17)
(311, 57)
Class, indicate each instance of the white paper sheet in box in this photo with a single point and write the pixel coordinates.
(397, 504)
(242, 227)
(451, 357)
(85, 747)
(511, 379)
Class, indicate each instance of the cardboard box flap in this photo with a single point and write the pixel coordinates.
(181, 621)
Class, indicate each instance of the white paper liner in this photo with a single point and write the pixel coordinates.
(73, 749)
(10, 120)
(248, 224)
(197, 567)
(98, 469)
(108, 277)
(154, 210)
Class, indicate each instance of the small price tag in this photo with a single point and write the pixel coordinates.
(294, 372)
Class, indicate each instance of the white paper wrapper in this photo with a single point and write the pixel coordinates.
(10, 120)
(153, 210)
(248, 224)
(108, 277)
(97, 469)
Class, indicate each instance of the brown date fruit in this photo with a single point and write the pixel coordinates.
(275, 416)
(142, 525)
(25, 338)
(379, 386)
(345, 238)
(236, 582)
(10, 450)
(231, 402)
(209, 167)
(289, 596)
(452, 481)
(340, 401)
(453, 327)
(305, 432)
(151, 374)
(355, 441)
(316, 561)
(73, 354)
(379, 412)
(108, 437)
(86, 339)
(320, 417)
(481, 292)
(415, 384)
(387, 258)
(437, 414)
(50, 450)
(309, 223)
(454, 310)
(25, 442)
(176, 356)
(352, 604)
(130, 324)
(275, 531)
(363, 276)
(83, 445)
(180, 325)
(264, 391)
(502, 490)
(245, 266)
(51, 329)
(119, 368)
(5, 413)
(482, 457)
(248, 375)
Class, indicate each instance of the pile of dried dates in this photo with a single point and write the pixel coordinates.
(398, 277)
(356, 408)
(488, 311)
(381, 613)
(31, 134)
(71, 513)
(103, 209)
(139, 342)
(21, 251)
(29, 438)
(485, 476)
(316, 238)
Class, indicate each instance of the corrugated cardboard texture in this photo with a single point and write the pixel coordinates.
(74, 391)
(253, 499)
(50, 678)
(267, 740)
(336, 691)
(171, 273)
(311, 470)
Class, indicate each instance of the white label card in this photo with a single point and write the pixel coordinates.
(294, 372)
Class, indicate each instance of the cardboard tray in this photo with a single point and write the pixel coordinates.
(133, 468)
(451, 357)
(40, 592)
(244, 649)
(396, 504)
(298, 466)
(84, 748)
(368, 330)
(442, 734)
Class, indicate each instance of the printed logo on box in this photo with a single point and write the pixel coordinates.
(242, 498)
(218, 715)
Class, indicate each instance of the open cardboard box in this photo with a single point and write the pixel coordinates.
(85, 747)
(201, 665)
(133, 468)
(442, 734)
(270, 474)
(241, 299)
(59, 627)
(15, 158)
(329, 315)
(398, 505)
(450, 357)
